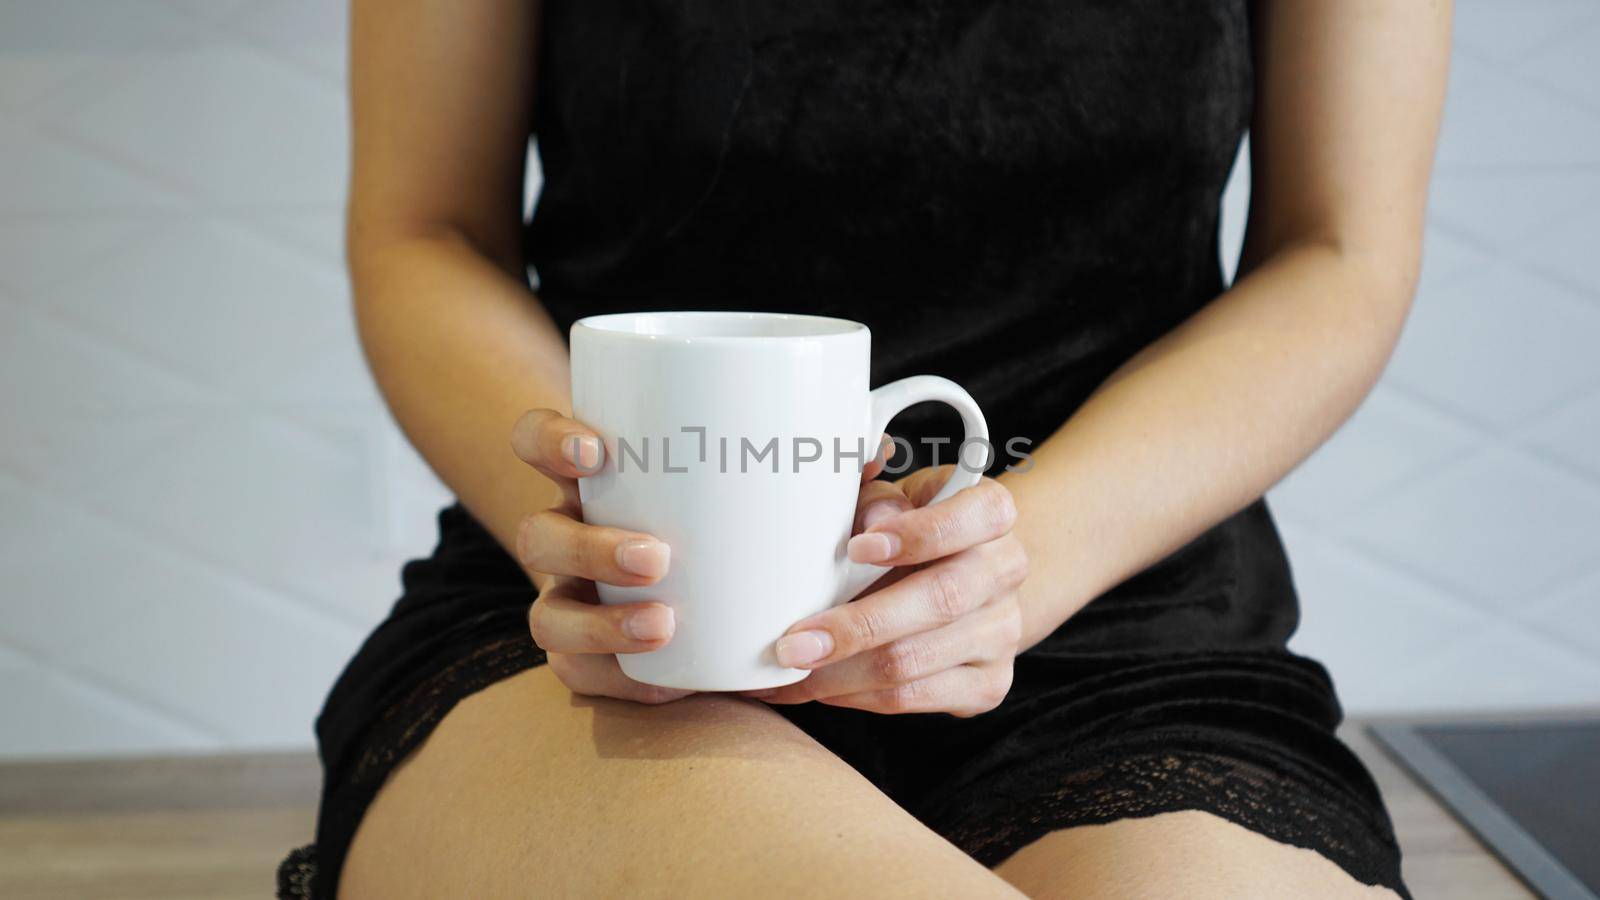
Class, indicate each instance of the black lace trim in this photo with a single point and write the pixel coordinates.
(1290, 810)
(400, 729)
(297, 872)
(405, 723)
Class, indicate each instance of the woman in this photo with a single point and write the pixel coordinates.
(1077, 682)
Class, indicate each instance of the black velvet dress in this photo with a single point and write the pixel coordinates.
(1015, 194)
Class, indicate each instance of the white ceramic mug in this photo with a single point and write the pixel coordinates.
(739, 438)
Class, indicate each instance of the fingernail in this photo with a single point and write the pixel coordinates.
(874, 547)
(877, 512)
(649, 624)
(803, 648)
(647, 558)
(583, 451)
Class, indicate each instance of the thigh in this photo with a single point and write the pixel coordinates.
(525, 790)
(1176, 854)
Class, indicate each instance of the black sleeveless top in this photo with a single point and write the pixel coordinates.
(1016, 195)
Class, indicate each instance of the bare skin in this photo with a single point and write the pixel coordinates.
(1181, 854)
(528, 790)
(542, 778)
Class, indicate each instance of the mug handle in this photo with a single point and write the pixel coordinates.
(887, 402)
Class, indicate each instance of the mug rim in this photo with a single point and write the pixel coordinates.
(831, 328)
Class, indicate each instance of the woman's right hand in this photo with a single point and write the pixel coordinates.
(565, 558)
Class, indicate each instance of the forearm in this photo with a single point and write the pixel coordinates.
(460, 349)
(1203, 421)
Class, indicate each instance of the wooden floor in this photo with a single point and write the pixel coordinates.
(215, 828)
(212, 827)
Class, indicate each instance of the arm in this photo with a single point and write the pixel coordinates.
(442, 97)
(1203, 421)
(1200, 423)
(441, 102)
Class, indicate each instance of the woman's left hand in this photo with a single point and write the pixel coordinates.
(937, 634)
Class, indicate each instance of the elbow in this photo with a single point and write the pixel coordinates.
(1380, 287)
(1379, 275)
(371, 242)
(1363, 288)
(1387, 273)
(368, 243)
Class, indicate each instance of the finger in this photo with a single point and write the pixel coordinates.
(553, 542)
(962, 691)
(922, 601)
(561, 622)
(556, 445)
(886, 450)
(990, 635)
(878, 501)
(922, 484)
(973, 516)
(599, 675)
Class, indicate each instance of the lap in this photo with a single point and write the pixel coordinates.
(524, 788)
(1177, 854)
(519, 774)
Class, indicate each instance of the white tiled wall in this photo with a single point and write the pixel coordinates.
(205, 507)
